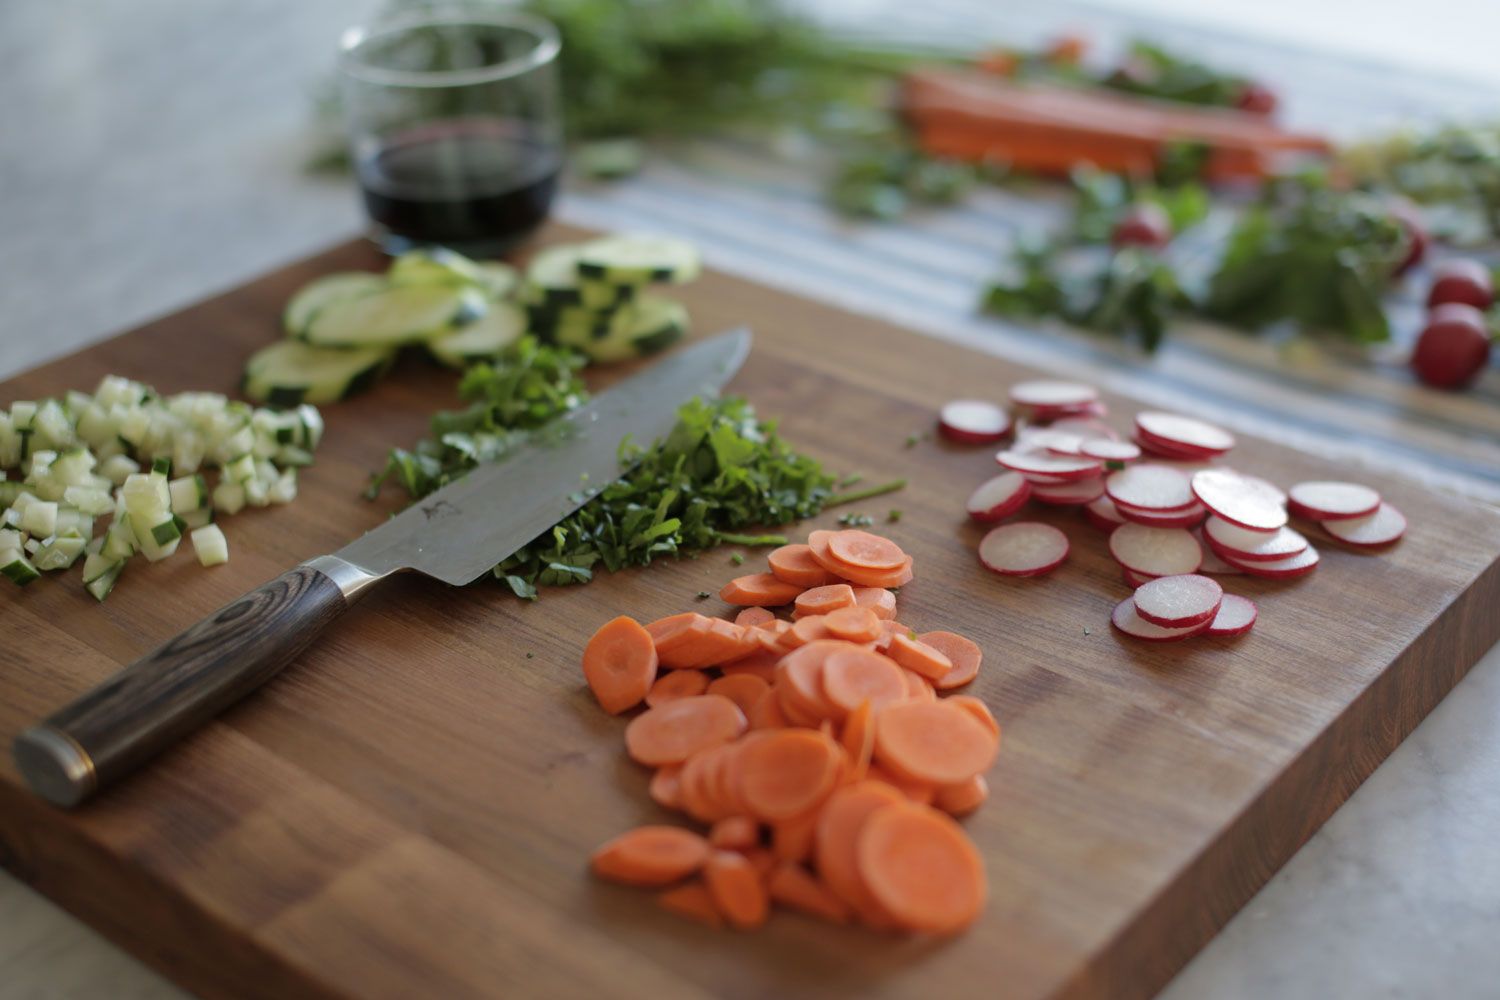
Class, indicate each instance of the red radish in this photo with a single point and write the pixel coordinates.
(1271, 490)
(1081, 491)
(1144, 225)
(1257, 546)
(1212, 563)
(1453, 347)
(1109, 451)
(1134, 579)
(1257, 99)
(1158, 551)
(1332, 501)
(999, 497)
(1302, 563)
(1241, 503)
(1128, 620)
(1155, 446)
(1025, 548)
(1409, 216)
(1188, 518)
(1383, 527)
(1183, 432)
(1179, 601)
(1150, 487)
(1049, 439)
(1103, 514)
(973, 421)
(1236, 615)
(1461, 280)
(1085, 427)
(1050, 465)
(1041, 479)
(1049, 395)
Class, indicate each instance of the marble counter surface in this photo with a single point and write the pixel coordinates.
(150, 154)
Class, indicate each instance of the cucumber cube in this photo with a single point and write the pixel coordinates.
(210, 545)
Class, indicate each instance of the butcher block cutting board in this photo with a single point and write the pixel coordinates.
(409, 809)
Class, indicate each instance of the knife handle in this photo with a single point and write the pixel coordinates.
(146, 707)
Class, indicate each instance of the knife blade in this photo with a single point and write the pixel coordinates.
(454, 535)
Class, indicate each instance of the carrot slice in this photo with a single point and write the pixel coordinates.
(737, 889)
(673, 732)
(759, 664)
(858, 739)
(881, 578)
(786, 773)
(619, 664)
(677, 684)
(817, 548)
(916, 791)
(720, 642)
(963, 798)
(864, 550)
(919, 658)
(693, 791)
(854, 624)
(794, 887)
(822, 600)
(855, 676)
(878, 600)
(734, 833)
(761, 859)
(807, 630)
(837, 835)
(759, 589)
(751, 617)
(743, 689)
(800, 672)
(964, 654)
(767, 713)
(933, 742)
(692, 901)
(666, 786)
(795, 565)
(676, 636)
(918, 688)
(976, 708)
(792, 839)
(651, 855)
(921, 868)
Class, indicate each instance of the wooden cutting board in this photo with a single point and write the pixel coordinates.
(408, 811)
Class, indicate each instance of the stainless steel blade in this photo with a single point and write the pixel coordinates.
(462, 530)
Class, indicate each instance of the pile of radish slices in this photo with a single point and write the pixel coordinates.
(1171, 511)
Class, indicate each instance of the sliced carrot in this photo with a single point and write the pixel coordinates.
(916, 791)
(734, 833)
(918, 688)
(665, 627)
(795, 565)
(963, 798)
(976, 708)
(964, 654)
(677, 636)
(933, 742)
(801, 673)
(767, 713)
(822, 600)
(737, 889)
(794, 887)
(666, 786)
(807, 630)
(692, 901)
(792, 839)
(720, 642)
(882, 578)
(743, 689)
(854, 624)
(854, 676)
(677, 684)
(817, 548)
(761, 859)
(919, 658)
(693, 792)
(759, 664)
(921, 868)
(760, 590)
(751, 617)
(673, 732)
(858, 740)
(866, 551)
(795, 711)
(651, 855)
(619, 664)
(837, 835)
(786, 773)
(889, 630)
(878, 600)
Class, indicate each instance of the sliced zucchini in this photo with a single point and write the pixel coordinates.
(553, 280)
(637, 259)
(497, 279)
(403, 315)
(289, 372)
(569, 323)
(210, 545)
(484, 338)
(434, 266)
(652, 324)
(315, 295)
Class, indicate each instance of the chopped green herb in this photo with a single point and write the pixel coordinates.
(855, 520)
(865, 494)
(702, 595)
(893, 516)
(737, 558)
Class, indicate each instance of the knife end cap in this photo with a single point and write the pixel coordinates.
(55, 766)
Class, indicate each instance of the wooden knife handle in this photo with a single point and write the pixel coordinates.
(140, 711)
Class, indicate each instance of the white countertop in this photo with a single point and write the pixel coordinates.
(150, 155)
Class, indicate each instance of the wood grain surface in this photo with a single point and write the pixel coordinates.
(408, 809)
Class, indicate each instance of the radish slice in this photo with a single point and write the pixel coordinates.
(1213, 563)
(1081, 491)
(1158, 551)
(1159, 449)
(1109, 451)
(998, 498)
(1179, 601)
(1085, 427)
(1241, 503)
(1184, 432)
(1281, 569)
(1128, 620)
(1380, 528)
(973, 421)
(1150, 487)
(1236, 615)
(1053, 395)
(1327, 501)
(1026, 548)
(1267, 487)
(1103, 514)
(1050, 465)
(1253, 545)
(1134, 579)
(1190, 518)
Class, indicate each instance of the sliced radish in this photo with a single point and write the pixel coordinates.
(1158, 449)
(1080, 491)
(1331, 501)
(1179, 601)
(1212, 563)
(1045, 439)
(1134, 579)
(1189, 518)
(1042, 479)
(1383, 527)
(1241, 503)
(1236, 615)
(1103, 514)
(1184, 432)
(1050, 465)
(1109, 451)
(1259, 546)
(999, 497)
(1026, 548)
(1128, 620)
(1044, 395)
(1085, 427)
(973, 421)
(1158, 551)
(1150, 487)
(1281, 569)
(1267, 487)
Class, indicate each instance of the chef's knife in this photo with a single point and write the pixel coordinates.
(454, 535)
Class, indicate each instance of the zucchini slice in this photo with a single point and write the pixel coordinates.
(651, 325)
(637, 259)
(484, 338)
(402, 315)
(290, 372)
(316, 294)
(498, 280)
(434, 266)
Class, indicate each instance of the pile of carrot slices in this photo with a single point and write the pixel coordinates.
(814, 750)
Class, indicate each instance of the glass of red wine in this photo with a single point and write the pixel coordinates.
(454, 127)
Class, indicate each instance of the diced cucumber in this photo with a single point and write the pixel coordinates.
(197, 518)
(210, 545)
(257, 493)
(433, 266)
(17, 568)
(284, 490)
(403, 315)
(635, 259)
(146, 494)
(187, 493)
(293, 456)
(10, 538)
(315, 295)
(157, 539)
(39, 518)
(119, 540)
(188, 449)
(72, 521)
(229, 497)
(101, 585)
(240, 470)
(162, 464)
(290, 372)
(118, 468)
(484, 338)
(59, 553)
(312, 426)
(95, 565)
(9, 491)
